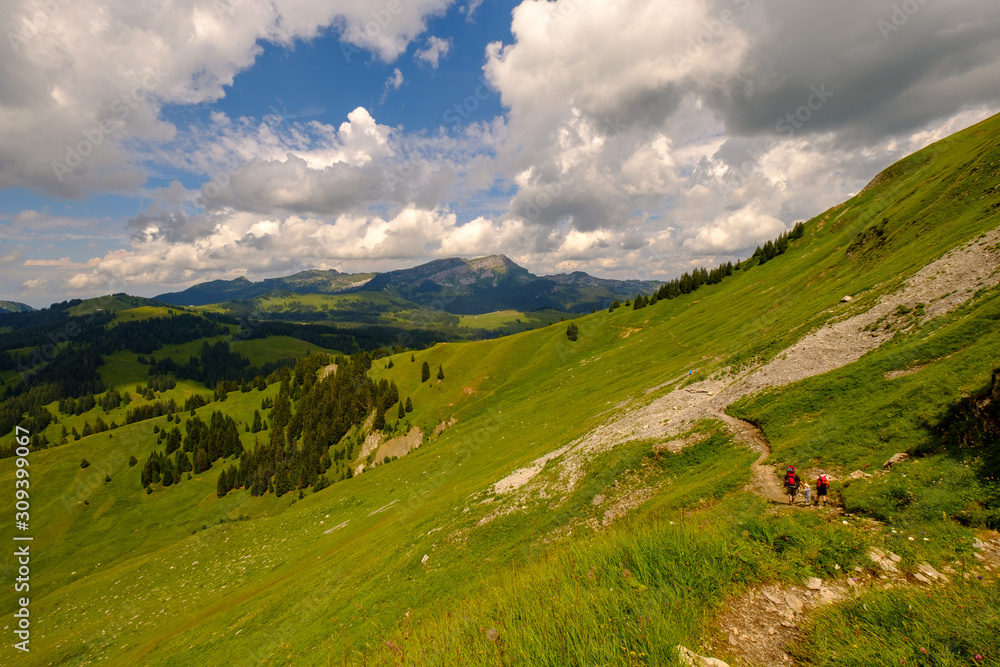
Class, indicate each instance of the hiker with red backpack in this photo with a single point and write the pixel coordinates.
(791, 483)
(822, 486)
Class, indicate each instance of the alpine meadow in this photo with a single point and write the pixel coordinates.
(335, 476)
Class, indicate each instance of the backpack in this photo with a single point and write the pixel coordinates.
(790, 479)
(822, 481)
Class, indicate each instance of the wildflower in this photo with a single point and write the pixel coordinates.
(979, 658)
(911, 538)
(923, 650)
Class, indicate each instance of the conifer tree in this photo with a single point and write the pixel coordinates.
(401, 413)
(425, 372)
(572, 331)
(409, 405)
(440, 372)
(201, 462)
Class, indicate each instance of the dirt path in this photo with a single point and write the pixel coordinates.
(765, 483)
(936, 289)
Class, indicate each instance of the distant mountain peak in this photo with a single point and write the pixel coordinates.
(496, 263)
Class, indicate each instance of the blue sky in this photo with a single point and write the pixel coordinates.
(146, 146)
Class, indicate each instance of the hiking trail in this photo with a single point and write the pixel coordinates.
(938, 288)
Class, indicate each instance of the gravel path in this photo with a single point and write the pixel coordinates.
(941, 286)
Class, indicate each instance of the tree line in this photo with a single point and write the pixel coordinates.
(689, 282)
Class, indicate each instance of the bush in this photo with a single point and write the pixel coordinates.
(84, 463)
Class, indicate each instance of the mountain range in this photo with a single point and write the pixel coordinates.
(456, 285)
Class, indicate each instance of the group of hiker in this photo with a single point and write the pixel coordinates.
(792, 484)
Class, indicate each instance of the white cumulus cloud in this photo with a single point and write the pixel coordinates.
(435, 50)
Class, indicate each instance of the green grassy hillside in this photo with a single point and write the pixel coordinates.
(411, 560)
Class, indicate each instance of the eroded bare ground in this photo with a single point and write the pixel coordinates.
(757, 626)
(934, 290)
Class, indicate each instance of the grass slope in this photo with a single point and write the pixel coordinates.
(331, 578)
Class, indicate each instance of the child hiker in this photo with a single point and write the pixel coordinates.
(806, 490)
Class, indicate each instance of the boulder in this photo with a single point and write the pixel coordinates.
(883, 561)
(896, 458)
(691, 659)
(847, 299)
(826, 595)
(928, 571)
